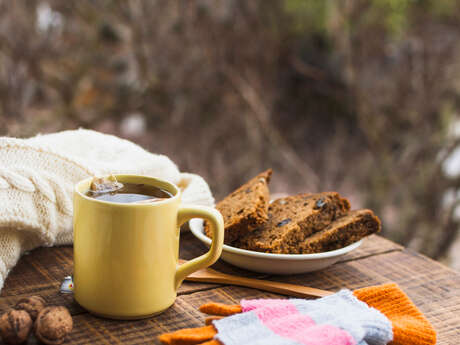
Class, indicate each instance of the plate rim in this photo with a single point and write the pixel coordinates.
(197, 229)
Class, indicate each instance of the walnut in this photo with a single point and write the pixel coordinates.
(15, 326)
(53, 324)
(32, 305)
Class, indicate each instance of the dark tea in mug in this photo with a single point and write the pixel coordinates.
(131, 193)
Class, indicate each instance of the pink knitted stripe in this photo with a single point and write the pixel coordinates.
(283, 318)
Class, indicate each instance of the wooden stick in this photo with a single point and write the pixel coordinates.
(208, 275)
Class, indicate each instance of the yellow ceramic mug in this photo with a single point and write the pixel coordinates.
(126, 255)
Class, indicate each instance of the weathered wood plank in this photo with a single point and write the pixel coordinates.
(102, 331)
(433, 288)
(403, 267)
(42, 269)
(372, 245)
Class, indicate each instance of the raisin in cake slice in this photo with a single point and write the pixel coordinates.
(292, 219)
(245, 209)
(342, 232)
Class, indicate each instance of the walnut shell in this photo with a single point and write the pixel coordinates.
(53, 324)
(32, 305)
(15, 326)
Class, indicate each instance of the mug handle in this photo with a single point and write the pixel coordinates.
(216, 221)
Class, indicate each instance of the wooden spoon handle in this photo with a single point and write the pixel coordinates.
(266, 285)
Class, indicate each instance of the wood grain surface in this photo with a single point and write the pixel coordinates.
(434, 288)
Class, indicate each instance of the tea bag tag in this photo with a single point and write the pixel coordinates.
(105, 184)
(67, 285)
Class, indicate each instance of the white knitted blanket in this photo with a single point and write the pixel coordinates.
(37, 177)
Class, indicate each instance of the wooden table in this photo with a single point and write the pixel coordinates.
(434, 288)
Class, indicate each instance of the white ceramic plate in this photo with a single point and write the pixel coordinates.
(273, 263)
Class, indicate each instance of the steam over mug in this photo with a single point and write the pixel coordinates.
(126, 254)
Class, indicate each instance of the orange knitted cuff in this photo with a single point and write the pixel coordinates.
(410, 326)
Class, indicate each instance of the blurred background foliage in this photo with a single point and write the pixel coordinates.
(356, 96)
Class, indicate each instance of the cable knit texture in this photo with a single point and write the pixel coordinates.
(37, 176)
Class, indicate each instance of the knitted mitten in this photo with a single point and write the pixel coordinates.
(37, 177)
(373, 316)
